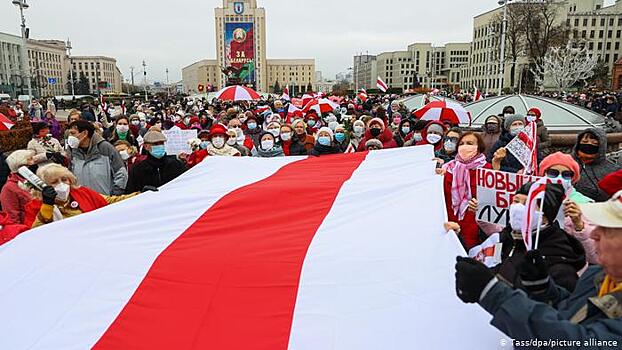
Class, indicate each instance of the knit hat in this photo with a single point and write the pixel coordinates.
(326, 129)
(436, 128)
(535, 111)
(359, 123)
(376, 121)
(510, 119)
(218, 129)
(560, 158)
(154, 135)
(374, 142)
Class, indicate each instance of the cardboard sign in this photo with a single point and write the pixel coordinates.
(177, 141)
(495, 193)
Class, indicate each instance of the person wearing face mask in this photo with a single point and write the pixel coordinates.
(200, 153)
(396, 120)
(590, 152)
(300, 133)
(500, 158)
(64, 198)
(13, 197)
(450, 145)
(417, 127)
(290, 144)
(158, 168)
(268, 148)
(313, 122)
(403, 132)
(275, 129)
(460, 185)
(233, 142)
(325, 143)
(376, 129)
(94, 161)
(47, 149)
(341, 138)
(129, 154)
(544, 140)
(358, 131)
(491, 132)
(138, 128)
(252, 131)
(218, 143)
(433, 135)
(122, 132)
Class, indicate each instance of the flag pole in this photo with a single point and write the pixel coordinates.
(539, 222)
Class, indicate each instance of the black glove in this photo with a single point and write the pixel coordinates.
(49, 155)
(149, 189)
(49, 195)
(533, 273)
(471, 278)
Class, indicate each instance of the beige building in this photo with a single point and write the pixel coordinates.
(48, 66)
(432, 66)
(589, 20)
(98, 69)
(241, 43)
(11, 65)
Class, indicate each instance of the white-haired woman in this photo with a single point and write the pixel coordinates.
(64, 198)
(13, 197)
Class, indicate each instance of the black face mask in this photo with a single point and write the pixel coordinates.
(492, 128)
(375, 132)
(588, 148)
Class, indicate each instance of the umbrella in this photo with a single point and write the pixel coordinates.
(5, 123)
(444, 111)
(237, 93)
(322, 105)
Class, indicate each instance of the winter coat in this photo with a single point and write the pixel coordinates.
(563, 254)
(100, 168)
(14, 199)
(9, 229)
(424, 134)
(154, 172)
(386, 138)
(4, 171)
(321, 150)
(510, 164)
(254, 135)
(308, 142)
(557, 311)
(592, 174)
(41, 149)
(293, 148)
(544, 140)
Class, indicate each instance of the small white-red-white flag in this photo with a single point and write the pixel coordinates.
(362, 95)
(489, 252)
(477, 95)
(381, 85)
(285, 96)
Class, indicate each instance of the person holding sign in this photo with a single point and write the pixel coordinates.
(590, 315)
(500, 158)
(460, 185)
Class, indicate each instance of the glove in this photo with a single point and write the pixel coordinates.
(149, 189)
(533, 273)
(49, 195)
(471, 278)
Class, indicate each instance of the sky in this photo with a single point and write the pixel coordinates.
(175, 34)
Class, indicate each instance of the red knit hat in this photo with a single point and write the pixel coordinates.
(535, 111)
(218, 129)
(560, 158)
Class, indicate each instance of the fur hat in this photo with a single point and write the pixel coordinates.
(373, 142)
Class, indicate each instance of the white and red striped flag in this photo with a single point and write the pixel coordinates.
(382, 86)
(525, 148)
(285, 96)
(477, 95)
(123, 107)
(205, 263)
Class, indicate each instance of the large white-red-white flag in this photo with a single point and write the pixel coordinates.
(285, 96)
(221, 259)
(382, 86)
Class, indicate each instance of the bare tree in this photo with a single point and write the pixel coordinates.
(565, 66)
(514, 36)
(543, 29)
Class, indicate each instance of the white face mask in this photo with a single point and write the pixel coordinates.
(434, 138)
(267, 145)
(274, 132)
(123, 129)
(417, 137)
(62, 191)
(218, 142)
(73, 142)
(359, 130)
(231, 141)
(124, 155)
(517, 216)
(286, 136)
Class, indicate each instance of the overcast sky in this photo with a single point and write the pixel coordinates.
(174, 34)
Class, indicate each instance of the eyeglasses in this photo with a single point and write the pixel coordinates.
(554, 173)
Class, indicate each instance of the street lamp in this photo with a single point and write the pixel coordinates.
(503, 31)
(73, 92)
(25, 64)
(145, 78)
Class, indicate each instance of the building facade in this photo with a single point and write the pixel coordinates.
(241, 46)
(101, 72)
(11, 65)
(48, 67)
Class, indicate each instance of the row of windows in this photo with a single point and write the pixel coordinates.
(594, 21)
(601, 34)
(44, 56)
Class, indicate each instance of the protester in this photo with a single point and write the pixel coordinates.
(64, 198)
(450, 145)
(47, 148)
(325, 143)
(121, 131)
(13, 196)
(218, 143)
(252, 131)
(547, 310)
(590, 152)
(268, 148)
(433, 134)
(232, 141)
(499, 156)
(129, 154)
(373, 145)
(94, 161)
(376, 129)
(300, 130)
(356, 136)
(290, 144)
(492, 129)
(544, 140)
(342, 141)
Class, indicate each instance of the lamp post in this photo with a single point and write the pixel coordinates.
(145, 79)
(25, 63)
(73, 92)
(503, 32)
(168, 86)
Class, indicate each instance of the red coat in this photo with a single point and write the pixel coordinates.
(196, 157)
(9, 230)
(424, 135)
(386, 138)
(468, 225)
(14, 199)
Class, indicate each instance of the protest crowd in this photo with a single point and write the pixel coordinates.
(569, 287)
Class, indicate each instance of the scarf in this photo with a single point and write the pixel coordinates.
(225, 151)
(609, 286)
(461, 182)
(275, 151)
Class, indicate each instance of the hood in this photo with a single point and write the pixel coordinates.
(602, 143)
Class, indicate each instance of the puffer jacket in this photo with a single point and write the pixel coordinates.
(100, 168)
(592, 174)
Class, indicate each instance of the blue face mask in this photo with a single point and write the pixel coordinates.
(324, 140)
(311, 123)
(340, 137)
(204, 144)
(252, 126)
(158, 151)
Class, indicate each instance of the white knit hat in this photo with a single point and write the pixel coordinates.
(328, 130)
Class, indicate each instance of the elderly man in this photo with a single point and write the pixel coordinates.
(591, 317)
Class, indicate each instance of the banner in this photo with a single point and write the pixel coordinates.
(495, 193)
(240, 50)
(221, 259)
(177, 140)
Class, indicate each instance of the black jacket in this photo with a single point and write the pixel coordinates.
(154, 172)
(319, 150)
(297, 148)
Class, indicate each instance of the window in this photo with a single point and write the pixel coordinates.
(593, 22)
(592, 34)
(611, 22)
(610, 34)
(602, 22)
(601, 34)
(585, 22)
(618, 33)
(608, 46)
(617, 46)
(600, 46)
